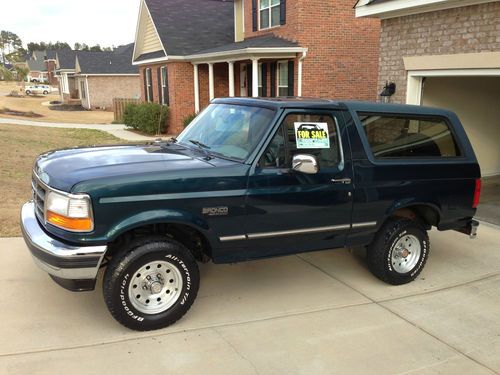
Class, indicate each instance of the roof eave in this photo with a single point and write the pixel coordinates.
(400, 8)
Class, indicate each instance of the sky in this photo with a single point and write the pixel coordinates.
(105, 22)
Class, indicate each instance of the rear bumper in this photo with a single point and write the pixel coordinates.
(73, 267)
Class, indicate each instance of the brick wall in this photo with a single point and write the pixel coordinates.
(343, 51)
(103, 89)
(460, 30)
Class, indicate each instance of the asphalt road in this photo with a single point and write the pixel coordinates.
(318, 313)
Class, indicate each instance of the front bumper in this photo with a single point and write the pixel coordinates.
(73, 267)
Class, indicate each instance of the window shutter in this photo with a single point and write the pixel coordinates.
(145, 85)
(254, 15)
(165, 90)
(291, 76)
(282, 12)
(249, 80)
(273, 68)
(150, 87)
(264, 80)
(158, 71)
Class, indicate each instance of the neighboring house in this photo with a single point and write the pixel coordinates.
(42, 66)
(445, 53)
(190, 51)
(93, 79)
(102, 76)
(65, 70)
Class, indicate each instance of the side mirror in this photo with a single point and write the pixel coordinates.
(305, 164)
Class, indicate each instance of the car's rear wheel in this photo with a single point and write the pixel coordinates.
(151, 284)
(45, 92)
(399, 251)
(28, 92)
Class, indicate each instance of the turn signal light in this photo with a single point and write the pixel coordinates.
(80, 225)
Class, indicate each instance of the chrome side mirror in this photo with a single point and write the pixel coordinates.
(305, 164)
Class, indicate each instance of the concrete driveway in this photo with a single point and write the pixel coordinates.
(318, 313)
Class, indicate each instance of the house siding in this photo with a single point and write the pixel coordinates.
(102, 89)
(469, 29)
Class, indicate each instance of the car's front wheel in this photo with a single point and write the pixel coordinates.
(45, 92)
(399, 251)
(152, 285)
(28, 92)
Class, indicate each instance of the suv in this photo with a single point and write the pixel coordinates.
(238, 184)
(38, 90)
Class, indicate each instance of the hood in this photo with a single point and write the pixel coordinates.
(63, 169)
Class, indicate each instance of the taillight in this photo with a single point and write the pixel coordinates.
(477, 193)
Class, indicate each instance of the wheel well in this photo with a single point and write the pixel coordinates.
(190, 237)
(426, 215)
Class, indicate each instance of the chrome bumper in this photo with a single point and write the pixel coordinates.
(73, 267)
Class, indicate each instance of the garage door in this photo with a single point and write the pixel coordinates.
(476, 100)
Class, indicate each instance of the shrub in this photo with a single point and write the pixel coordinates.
(149, 118)
(187, 120)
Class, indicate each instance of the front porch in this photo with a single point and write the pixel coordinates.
(262, 67)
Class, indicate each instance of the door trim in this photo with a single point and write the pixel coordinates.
(291, 232)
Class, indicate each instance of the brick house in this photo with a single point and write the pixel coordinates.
(102, 76)
(41, 65)
(190, 51)
(445, 53)
(94, 79)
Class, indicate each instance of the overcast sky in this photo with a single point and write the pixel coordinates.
(106, 22)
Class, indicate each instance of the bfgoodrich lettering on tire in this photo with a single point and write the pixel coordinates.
(399, 251)
(151, 284)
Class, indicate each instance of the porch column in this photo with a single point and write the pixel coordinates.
(196, 89)
(231, 78)
(255, 78)
(211, 80)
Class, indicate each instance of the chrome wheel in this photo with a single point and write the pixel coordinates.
(405, 254)
(155, 287)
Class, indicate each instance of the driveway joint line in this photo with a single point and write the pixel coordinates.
(456, 350)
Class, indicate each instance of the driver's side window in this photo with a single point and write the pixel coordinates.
(302, 133)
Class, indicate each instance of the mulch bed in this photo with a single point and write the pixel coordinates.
(67, 108)
(11, 112)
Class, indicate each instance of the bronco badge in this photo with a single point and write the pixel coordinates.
(215, 211)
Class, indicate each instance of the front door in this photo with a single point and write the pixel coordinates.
(290, 211)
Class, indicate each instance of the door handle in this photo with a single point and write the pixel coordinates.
(345, 180)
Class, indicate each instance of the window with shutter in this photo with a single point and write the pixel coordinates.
(269, 13)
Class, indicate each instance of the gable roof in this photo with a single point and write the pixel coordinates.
(189, 26)
(66, 59)
(117, 62)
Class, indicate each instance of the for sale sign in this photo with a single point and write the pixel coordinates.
(312, 135)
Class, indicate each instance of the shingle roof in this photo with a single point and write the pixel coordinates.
(116, 62)
(66, 59)
(265, 41)
(189, 26)
(150, 55)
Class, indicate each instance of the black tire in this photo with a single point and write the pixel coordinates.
(28, 92)
(45, 92)
(380, 251)
(121, 270)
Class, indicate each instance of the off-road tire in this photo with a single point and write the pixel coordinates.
(379, 252)
(123, 266)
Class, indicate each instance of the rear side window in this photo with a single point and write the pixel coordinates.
(408, 137)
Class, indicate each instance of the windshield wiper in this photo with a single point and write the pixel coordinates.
(203, 147)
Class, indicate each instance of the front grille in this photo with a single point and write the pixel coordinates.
(39, 192)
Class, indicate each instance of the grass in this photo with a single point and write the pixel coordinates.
(34, 104)
(19, 146)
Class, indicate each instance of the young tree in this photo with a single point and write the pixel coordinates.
(22, 74)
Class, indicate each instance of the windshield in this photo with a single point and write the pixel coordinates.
(228, 130)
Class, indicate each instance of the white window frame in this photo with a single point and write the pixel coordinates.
(149, 84)
(259, 72)
(269, 9)
(82, 89)
(164, 79)
(278, 86)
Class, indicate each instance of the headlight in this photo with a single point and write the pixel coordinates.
(72, 212)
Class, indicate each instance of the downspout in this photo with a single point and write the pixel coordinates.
(87, 89)
(299, 86)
